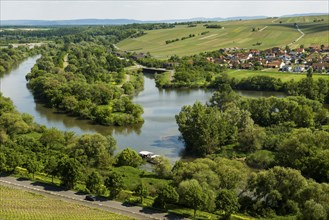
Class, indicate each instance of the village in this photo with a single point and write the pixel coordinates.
(296, 60)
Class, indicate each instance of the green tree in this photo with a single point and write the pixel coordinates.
(227, 201)
(33, 166)
(278, 189)
(3, 162)
(141, 191)
(70, 172)
(165, 194)
(51, 167)
(94, 182)
(162, 167)
(94, 150)
(192, 194)
(313, 210)
(114, 183)
(129, 157)
(52, 138)
(309, 72)
(204, 129)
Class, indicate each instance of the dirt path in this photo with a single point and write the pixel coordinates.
(135, 212)
(127, 77)
(172, 73)
(300, 37)
(262, 29)
(212, 35)
(116, 47)
(66, 59)
(275, 19)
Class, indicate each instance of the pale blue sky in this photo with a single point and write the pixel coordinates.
(153, 10)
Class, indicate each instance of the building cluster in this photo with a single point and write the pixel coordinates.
(294, 60)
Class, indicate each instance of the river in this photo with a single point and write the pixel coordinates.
(159, 132)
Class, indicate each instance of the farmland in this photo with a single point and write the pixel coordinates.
(19, 204)
(284, 76)
(281, 32)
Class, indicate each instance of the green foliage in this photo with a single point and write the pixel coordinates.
(306, 151)
(94, 183)
(70, 171)
(87, 87)
(141, 191)
(33, 166)
(165, 194)
(279, 188)
(94, 150)
(114, 183)
(208, 123)
(227, 201)
(196, 196)
(162, 167)
(313, 210)
(261, 159)
(10, 56)
(128, 157)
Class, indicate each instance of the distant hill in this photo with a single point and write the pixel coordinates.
(305, 14)
(113, 21)
(245, 33)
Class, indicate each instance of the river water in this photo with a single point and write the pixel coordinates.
(159, 132)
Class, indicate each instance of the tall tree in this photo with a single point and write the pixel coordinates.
(165, 194)
(227, 201)
(70, 172)
(94, 182)
(114, 183)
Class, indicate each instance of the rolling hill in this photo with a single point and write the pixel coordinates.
(268, 33)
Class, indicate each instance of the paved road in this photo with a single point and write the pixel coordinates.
(135, 212)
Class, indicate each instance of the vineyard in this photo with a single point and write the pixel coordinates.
(19, 204)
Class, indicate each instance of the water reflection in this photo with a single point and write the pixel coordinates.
(159, 132)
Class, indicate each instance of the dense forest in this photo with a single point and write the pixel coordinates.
(86, 80)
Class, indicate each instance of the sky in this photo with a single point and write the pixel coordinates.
(153, 9)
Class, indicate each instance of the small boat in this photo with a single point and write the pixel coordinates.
(148, 156)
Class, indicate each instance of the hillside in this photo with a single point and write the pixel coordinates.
(268, 33)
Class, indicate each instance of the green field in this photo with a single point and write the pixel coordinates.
(234, 34)
(284, 76)
(19, 204)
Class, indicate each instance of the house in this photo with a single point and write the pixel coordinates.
(254, 52)
(325, 49)
(139, 56)
(319, 67)
(210, 59)
(299, 68)
(275, 64)
(314, 57)
(300, 50)
(286, 68)
(246, 66)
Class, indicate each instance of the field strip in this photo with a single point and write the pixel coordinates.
(300, 37)
(263, 29)
(207, 36)
(276, 19)
(206, 42)
(122, 211)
